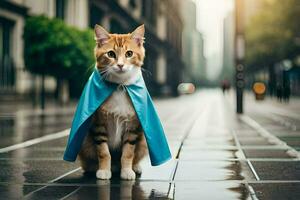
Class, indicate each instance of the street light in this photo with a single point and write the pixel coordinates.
(239, 53)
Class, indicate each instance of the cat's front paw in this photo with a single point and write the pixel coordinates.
(103, 174)
(137, 169)
(127, 174)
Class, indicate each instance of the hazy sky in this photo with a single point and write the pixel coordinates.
(210, 16)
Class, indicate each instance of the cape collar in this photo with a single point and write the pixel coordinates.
(138, 83)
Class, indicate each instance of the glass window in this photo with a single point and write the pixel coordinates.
(144, 8)
(132, 3)
(96, 16)
(116, 27)
(60, 9)
(7, 76)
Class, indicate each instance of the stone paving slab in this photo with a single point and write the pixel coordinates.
(291, 141)
(51, 192)
(16, 191)
(286, 133)
(277, 170)
(212, 170)
(17, 128)
(206, 154)
(224, 146)
(205, 141)
(162, 172)
(246, 134)
(211, 190)
(265, 153)
(56, 143)
(29, 153)
(33, 171)
(277, 191)
(124, 190)
(258, 141)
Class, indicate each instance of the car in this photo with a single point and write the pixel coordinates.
(186, 88)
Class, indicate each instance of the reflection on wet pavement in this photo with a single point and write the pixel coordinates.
(105, 190)
(215, 156)
(17, 128)
(32, 171)
(208, 190)
(211, 170)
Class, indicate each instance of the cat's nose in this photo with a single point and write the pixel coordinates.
(120, 66)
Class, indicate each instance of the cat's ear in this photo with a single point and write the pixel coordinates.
(138, 35)
(101, 35)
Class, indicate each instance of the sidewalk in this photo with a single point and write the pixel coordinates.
(216, 155)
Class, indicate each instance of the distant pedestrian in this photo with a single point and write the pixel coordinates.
(286, 92)
(279, 92)
(225, 85)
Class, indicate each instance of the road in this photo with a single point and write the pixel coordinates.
(216, 153)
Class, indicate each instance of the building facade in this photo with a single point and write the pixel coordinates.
(12, 18)
(228, 48)
(193, 46)
(163, 65)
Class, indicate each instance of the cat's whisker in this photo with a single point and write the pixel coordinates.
(104, 73)
(147, 72)
(105, 76)
(89, 70)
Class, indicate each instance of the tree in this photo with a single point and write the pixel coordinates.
(53, 48)
(273, 33)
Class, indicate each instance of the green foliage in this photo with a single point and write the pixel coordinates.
(53, 48)
(271, 35)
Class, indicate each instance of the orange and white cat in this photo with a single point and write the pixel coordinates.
(115, 136)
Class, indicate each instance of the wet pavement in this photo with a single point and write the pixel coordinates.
(216, 154)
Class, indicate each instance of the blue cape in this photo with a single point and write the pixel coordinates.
(96, 91)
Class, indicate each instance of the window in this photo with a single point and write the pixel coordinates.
(116, 27)
(149, 11)
(60, 9)
(144, 8)
(96, 16)
(7, 70)
(132, 3)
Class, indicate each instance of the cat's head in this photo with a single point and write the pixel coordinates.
(120, 57)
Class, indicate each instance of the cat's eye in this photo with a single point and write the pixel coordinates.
(128, 54)
(111, 54)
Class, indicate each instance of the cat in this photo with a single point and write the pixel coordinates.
(115, 136)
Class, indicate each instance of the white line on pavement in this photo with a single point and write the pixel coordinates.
(252, 193)
(27, 143)
(253, 170)
(52, 181)
(271, 138)
(244, 157)
(71, 193)
(66, 174)
(171, 192)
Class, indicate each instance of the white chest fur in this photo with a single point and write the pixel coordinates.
(120, 111)
(120, 104)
